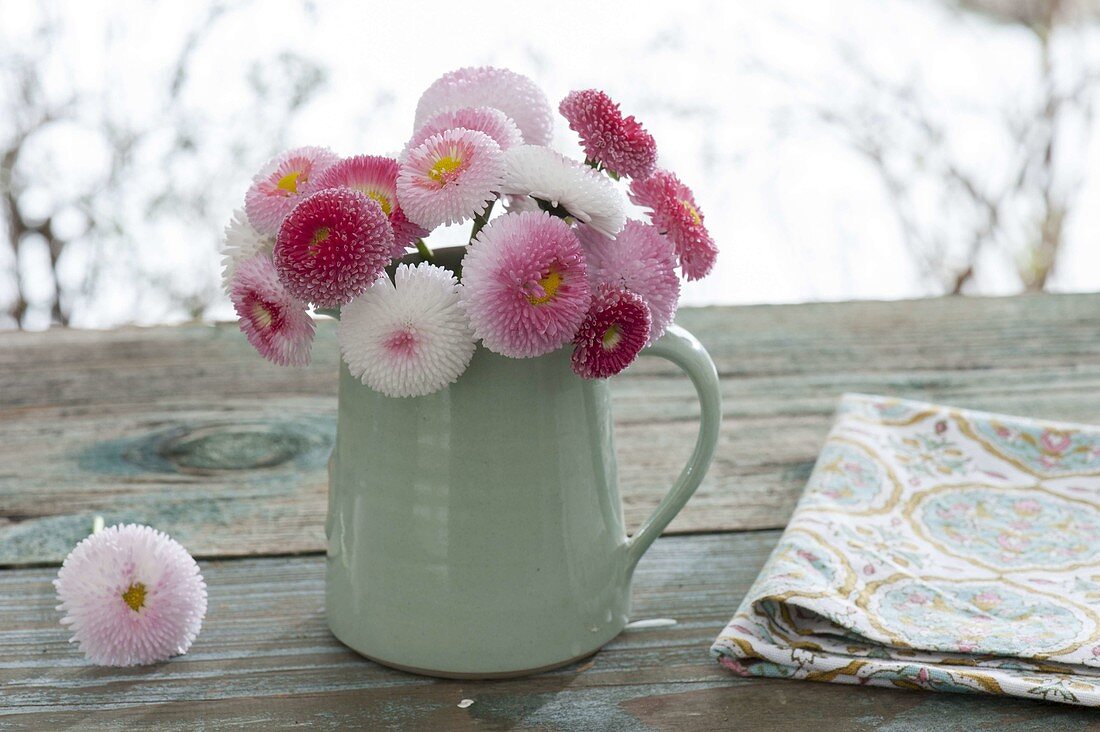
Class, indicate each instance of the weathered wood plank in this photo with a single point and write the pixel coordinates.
(186, 428)
(265, 659)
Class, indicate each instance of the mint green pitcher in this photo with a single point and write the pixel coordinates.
(477, 532)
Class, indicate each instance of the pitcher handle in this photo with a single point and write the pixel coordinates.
(683, 349)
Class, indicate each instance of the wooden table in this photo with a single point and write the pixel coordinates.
(186, 429)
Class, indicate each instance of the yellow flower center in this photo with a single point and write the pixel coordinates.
(612, 336)
(261, 315)
(549, 283)
(134, 596)
(443, 169)
(382, 200)
(289, 182)
(319, 237)
(693, 211)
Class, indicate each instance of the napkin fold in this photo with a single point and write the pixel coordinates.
(936, 548)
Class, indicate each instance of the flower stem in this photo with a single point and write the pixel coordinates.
(425, 251)
(481, 219)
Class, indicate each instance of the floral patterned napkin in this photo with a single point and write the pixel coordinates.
(936, 548)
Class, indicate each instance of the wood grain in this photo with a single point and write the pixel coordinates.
(266, 660)
(187, 429)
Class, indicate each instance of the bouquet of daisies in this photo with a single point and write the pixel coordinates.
(558, 265)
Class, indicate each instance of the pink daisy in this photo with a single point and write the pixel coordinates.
(492, 122)
(621, 144)
(674, 211)
(275, 323)
(332, 246)
(375, 177)
(450, 177)
(640, 260)
(132, 596)
(612, 335)
(281, 183)
(511, 93)
(525, 284)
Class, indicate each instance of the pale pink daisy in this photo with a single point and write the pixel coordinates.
(491, 121)
(525, 284)
(276, 324)
(375, 177)
(131, 596)
(612, 335)
(450, 177)
(673, 210)
(565, 186)
(332, 246)
(640, 259)
(281, 183)
(409, 337)
(485, 86)
(619, 143)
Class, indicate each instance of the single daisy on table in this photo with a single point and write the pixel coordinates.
(619, 143)
(564, 185)
(408, 337)
(332, 246)
(131, 596)
(612, 335)
(485, 86)
(276, 323)
(640, 259)
(281, 183)
(375, 177)
(491, 121)
(673, 210)
(525, 284)
(241, 242)
(450, 177)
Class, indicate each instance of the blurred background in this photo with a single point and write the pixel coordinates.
(841, 150)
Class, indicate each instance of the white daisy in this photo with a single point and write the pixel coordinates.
(409, 337)
(242, 242)
(585, 194)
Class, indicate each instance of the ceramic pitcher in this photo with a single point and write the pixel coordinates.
(477, 532)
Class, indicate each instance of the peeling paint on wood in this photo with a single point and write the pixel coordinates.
(187, 429)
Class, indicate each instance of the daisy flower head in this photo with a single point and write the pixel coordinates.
(282, 183)
(485, 86)
(409, 337)
(673, 210)
(612, 335)
(449, 177)
(641, 260)
(525, 284)
(620, 143)
(491, 121)
(241, 242)
(332, 246)
(131, 596)
(581, 192)
(375, 177)
(276, 324)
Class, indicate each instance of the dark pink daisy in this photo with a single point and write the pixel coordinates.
(375, 177)
(620, 143)
(332, 246)
(284, 181)
(275, 323)
(613, 333)
(673, 210)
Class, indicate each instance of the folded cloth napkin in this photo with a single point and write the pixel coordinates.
(940, 549)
